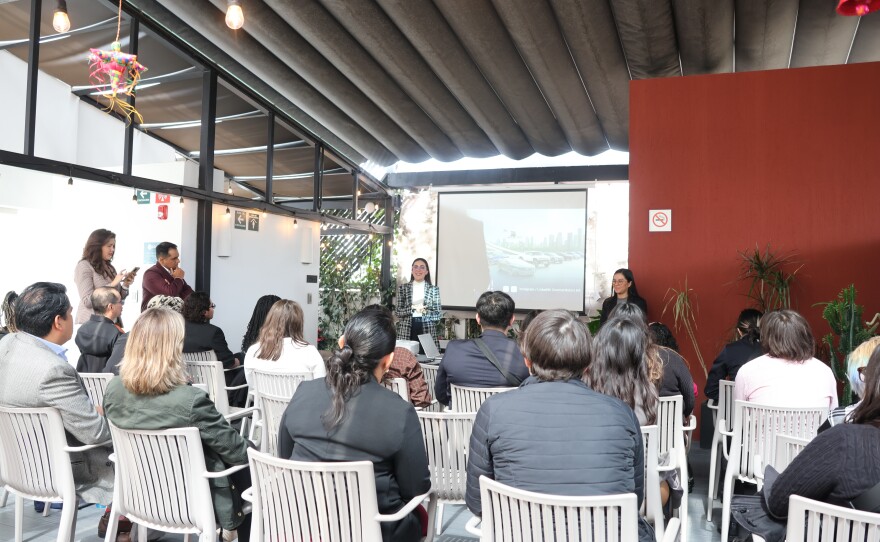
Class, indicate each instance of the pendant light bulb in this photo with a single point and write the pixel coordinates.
(70, 181)
(60, 20)
(182, 203)
(295, 224)
(234, 15)
(227, 210)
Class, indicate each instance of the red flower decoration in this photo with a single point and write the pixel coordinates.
(857, 7)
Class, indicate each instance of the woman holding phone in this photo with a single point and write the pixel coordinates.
(95, 270)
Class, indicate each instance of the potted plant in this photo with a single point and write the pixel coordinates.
(683, 304)
(768, 277)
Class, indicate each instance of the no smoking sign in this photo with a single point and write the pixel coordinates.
(660, 220)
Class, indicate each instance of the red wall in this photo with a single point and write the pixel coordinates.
(786, 157)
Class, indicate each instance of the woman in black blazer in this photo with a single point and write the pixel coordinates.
(201, 335)
(625, 291)
(349, 416)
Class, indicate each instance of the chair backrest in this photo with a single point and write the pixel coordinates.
(305, 500)
(465, 399)
(447, 438)
(210, 373)
(412, 346)
(398, 386)
(786, 449)
(755, 428)
(159, 479)
(429, 370)
(96, 385)
(281, 384)
(670, 424)
(812, 521)
(33, 462)
(207, 355)
(514, 514)
(272, 407)
(725, 404)
(653, 504)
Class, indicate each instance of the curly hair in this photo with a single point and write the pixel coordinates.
(261, 310)
(93, 253)
(195, 306)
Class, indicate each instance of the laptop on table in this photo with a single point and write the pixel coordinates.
(432, 354)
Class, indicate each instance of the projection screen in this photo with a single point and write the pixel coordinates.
(528, 244)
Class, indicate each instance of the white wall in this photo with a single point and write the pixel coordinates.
(269, 261)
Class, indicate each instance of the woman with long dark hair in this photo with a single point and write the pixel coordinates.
(621, 366)
(261, 310)
(623, 285)
(95, 270)
(281, 346)
(349, 416)
(418, 304)
(744, 349)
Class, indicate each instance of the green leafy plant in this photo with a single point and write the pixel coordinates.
(844, 316)
(683, 304)
(595, 323)
(767, 275)
(446, 327)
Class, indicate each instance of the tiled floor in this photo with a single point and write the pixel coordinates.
(44, 529)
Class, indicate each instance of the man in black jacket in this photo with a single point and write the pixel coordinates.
(466, 364)
(96, 338)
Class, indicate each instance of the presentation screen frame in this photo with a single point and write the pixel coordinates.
(520, 309)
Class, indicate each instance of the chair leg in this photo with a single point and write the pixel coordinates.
(19, 517)
(725, 504)
(67, 524)
(142, 533)
(112, 524)
(46, 507)
(714, 476)
(5, 498)
(683, 509)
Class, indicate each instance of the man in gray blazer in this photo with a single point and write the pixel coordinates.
(36, 374)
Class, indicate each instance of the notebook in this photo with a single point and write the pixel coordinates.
(432, 354)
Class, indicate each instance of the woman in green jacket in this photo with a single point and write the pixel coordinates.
(152, 392)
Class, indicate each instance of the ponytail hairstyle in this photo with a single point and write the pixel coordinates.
(620, 366)
(368, 337)
(748, 325)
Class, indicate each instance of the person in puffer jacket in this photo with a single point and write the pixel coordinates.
(554, 434)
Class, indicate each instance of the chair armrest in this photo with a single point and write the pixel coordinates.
(238, 414)
(248, 495)
(472, 526)
(712, 404)
(227, 472)
(230, 388)
(407, 508)
(692, 423)
(672, 532)
(70, 449)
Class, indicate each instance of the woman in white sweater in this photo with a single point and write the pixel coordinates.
(281, 346)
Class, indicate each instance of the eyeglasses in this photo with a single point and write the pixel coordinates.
(619, 281)
(213, 305)
(861, 371)
(420, 267)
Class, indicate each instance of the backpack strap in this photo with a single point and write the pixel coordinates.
(511, 379)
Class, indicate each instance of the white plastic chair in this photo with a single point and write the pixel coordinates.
(755, 428)
(429, 371)
(35, 464)
(332, 502)
(514, 514)
(276, 383)
(272, 408)
(161, 482)
(207, 355)
(652, 505)
(465, 399)
(786, 449)
(210, 373)
(447, 438)
(722, 413)
(670, 434)
(398, 386)
(808, 519)
(96, 385)
(412, 346)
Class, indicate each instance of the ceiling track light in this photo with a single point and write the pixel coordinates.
(234, 14)
(60, 20)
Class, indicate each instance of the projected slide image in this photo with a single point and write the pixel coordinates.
(528, 244)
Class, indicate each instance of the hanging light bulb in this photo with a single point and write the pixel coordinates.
(295, 224)
(182, 203)
(227, 210)
(228, 187)
(234, 14)
(264, 213)
(60, 20)
(70, 181)
(134, 195)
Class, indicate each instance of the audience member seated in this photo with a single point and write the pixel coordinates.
(621, 366)
(7, 311)
(677, 379)
(406, 366)
(258, 317)
(470, 362)
(787, 374)
(36, 374)
(855, 371)
(168, 302)
(348, 416)
(97, 337)
(745, 348)
(281, 346)
(201, 335)
(152, 393)
(554, 434)
(841, 464)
